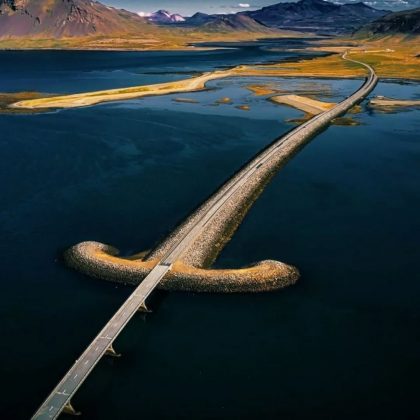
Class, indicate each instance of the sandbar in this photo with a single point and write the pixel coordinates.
(390, 102)
(96, 97)
(303, 103)
(186, 100)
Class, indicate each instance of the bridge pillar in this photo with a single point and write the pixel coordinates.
(110, 351)
(69, 409)
(143, 308)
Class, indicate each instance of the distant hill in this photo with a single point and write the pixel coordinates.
(199, 19)
(58, 19)
(65, 18)
(317, 16)
(165, 17)
(405, 22)
(230, 23)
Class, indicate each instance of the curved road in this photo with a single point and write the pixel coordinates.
(60, 397)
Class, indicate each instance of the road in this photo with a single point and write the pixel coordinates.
(60, 397)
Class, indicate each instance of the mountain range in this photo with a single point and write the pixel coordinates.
(405, 22)
(165, 17)
(317, 15)
(65, 18)
(57, 19)
(226, 23)
(305, 15)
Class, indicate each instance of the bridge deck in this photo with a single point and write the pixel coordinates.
(67, 387)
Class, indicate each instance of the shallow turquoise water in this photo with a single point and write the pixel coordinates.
(343, 342)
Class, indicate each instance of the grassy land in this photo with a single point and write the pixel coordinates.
(153, 39)
(7, 99)
(392, 57)
(95, 97)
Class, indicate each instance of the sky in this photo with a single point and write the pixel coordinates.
(189, 7)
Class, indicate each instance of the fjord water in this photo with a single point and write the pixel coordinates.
(343, 342)
(80, 71)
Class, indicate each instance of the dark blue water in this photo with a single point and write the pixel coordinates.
(343, 343)
(78, 71)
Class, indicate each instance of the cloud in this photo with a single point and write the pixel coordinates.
(238, 6)
(235, 6)
(385, 4)
(144, 14)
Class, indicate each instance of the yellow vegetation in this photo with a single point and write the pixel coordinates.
(392, 56)
(152, 38)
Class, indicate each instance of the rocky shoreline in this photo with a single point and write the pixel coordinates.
(102, 261)
(192, 271)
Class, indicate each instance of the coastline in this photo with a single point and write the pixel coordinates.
(92, 98)
(330, 66)
(190, 85)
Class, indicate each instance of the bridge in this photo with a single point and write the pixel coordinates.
(60, 398)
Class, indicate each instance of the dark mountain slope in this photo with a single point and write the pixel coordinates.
(233, 23)
(225, 23)
(165, 17)
(64, 18)
(317, 15)
(405, 22)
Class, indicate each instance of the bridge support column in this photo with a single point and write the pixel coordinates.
(69, 409)
(110, 351)
(143, 308)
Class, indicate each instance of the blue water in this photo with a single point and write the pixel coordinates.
(343, 343)
(79, 71)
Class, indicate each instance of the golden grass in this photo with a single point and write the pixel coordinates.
(7, 99)
(392, 57)
(151, 39)
(331, 66)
